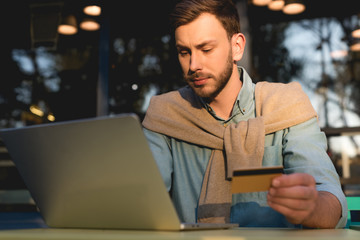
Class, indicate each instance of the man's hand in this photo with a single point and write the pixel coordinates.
(295, 196)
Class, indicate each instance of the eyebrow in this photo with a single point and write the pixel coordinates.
(198, 46)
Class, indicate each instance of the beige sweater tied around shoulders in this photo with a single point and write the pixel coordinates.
(181, 115)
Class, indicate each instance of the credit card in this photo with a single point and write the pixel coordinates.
(254, 179)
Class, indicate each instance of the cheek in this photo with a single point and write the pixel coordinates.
(219, 60)
(184, 65)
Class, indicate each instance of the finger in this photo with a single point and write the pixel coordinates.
(293, 180)
(294, 192)
(292, 203)
(293, 216)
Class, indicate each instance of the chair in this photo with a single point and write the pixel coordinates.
(353, 210)
(17, 208)
(14, 196)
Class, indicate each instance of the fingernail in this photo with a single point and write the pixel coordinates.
(276, 183)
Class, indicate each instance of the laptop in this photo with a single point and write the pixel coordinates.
(96, 173)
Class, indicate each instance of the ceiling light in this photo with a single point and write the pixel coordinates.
(36, 110)
(356, 33)
(51, 117)
(276, 5)
(293, 7)
(68, 25)
(261, 2)
(338, 54)
(355, 47)
(89, 25)
(92, 10)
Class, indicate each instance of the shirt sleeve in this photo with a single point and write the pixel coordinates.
(160, 148)
(304, 150)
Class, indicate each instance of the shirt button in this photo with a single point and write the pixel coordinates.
(243, 109)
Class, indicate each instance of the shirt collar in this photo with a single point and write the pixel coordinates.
(245, 99)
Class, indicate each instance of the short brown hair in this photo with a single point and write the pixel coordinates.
(225, 11)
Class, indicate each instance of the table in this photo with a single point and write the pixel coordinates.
(30, 226)
(231, 234)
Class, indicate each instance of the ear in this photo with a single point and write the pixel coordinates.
(238, 45)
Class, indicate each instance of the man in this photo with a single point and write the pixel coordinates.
(222, 122)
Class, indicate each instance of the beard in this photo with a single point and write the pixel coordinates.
(219, 81)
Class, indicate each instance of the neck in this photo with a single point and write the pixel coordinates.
(224, 101)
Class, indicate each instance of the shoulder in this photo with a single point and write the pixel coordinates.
(175, 95)
(183, 98)
(269, 95)
(282, 105)
(271, 89)
(169, 107)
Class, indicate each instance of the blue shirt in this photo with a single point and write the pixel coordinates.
(301, 148)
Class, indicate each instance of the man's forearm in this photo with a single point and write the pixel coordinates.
(327, 212)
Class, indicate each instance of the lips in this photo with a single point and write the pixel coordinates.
(199, 81)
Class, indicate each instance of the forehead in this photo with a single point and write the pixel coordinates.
(204, 27)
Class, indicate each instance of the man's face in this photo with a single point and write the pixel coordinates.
(205, 55)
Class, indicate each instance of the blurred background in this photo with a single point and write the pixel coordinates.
(60, 62)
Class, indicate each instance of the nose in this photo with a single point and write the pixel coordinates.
(195, 63)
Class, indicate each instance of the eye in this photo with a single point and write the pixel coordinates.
(207, 50)
(183, 53)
